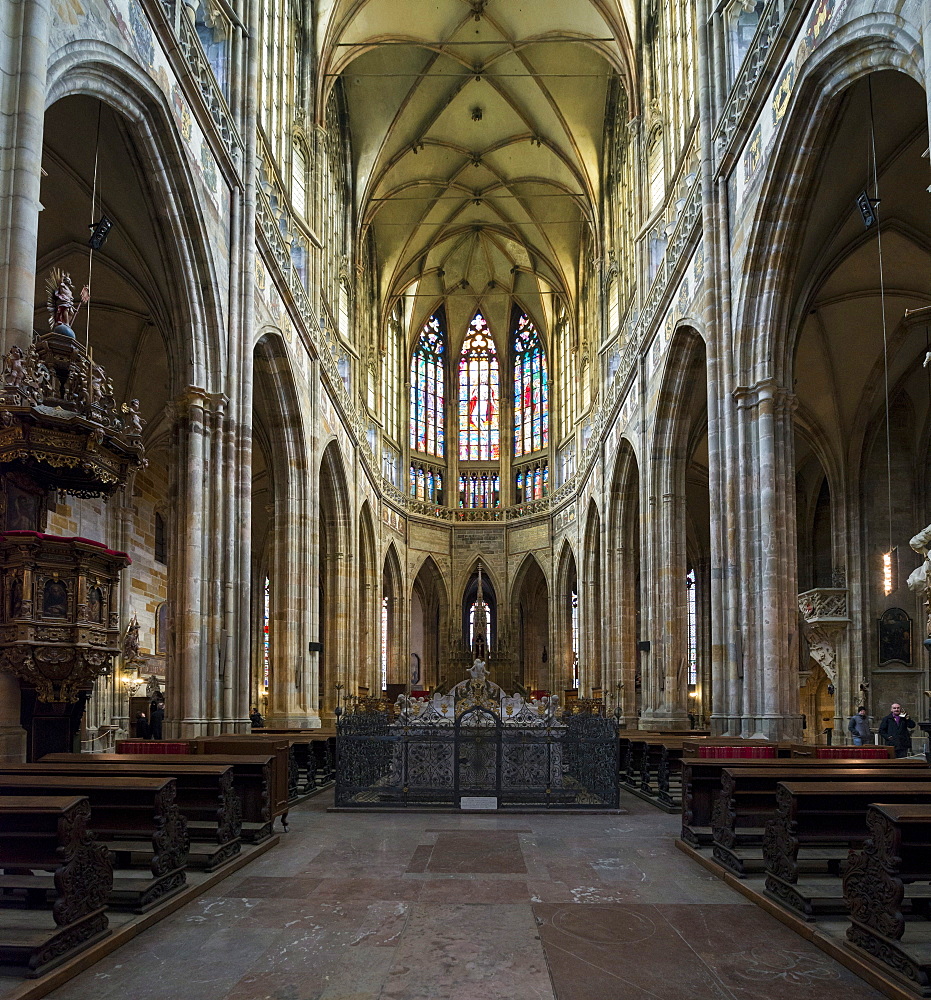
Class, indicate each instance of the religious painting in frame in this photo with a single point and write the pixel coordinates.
(895, 637)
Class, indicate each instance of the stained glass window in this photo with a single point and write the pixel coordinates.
(692, 652)
(426, 483)
(391, 367)
(265, 640)
(531, 389)
(472, 611)
(479, 489)
(478, 395)
(532, 482)
(384, 642)
(427, 389)
(574, 615)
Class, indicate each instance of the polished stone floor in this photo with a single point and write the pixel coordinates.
(470, 907)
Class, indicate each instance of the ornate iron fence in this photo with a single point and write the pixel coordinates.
(381, 762)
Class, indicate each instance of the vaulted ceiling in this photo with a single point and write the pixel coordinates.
(477, 129)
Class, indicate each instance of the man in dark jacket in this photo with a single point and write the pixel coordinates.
(156, 718)
(895, 730)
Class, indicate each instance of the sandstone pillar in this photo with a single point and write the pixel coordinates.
(768, 564)
(187, 694)
(665, 688)
(24, 38)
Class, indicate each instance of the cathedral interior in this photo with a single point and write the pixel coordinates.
(358, 355)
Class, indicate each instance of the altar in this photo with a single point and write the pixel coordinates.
(476, 746)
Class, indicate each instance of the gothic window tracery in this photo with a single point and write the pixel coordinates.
(531, 389)
(692, 606)
(266, 646)
(532, 482)
(427, 389)
(479, 434)
(479, 489)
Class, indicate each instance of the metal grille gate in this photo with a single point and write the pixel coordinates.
(382, 762)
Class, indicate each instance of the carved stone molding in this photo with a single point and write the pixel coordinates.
(825, 616)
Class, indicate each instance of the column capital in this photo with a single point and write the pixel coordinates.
(193, 397)
(762, 392)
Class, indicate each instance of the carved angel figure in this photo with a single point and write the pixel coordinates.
(134, 423)
(14, 368)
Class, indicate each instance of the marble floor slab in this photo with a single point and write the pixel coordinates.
(408, 906)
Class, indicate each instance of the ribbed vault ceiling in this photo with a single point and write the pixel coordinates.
(477, 129)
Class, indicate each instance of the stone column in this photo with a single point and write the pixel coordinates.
(290, 676)
(24, 37)
(24, 40)
(189, 690)
(768, 570)
(667, 688)
(624, 635)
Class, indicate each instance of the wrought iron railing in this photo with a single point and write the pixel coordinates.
(382, 762)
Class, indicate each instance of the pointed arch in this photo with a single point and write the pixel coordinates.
(106, 74)
(368, 608)
(530, 617)
(392, 620)
(531, 386)
(591, 611)
(623, 579)
(479, 395)
(565, 660)
(429, 623)
(333, 586)
(470, 609)
(680, 428)
(428, 388)
(281, 541)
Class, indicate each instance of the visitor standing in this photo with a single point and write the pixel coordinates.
(142, 727)
(895, 730)
(859, 727)
(156, 718)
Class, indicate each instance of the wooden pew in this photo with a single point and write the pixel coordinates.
(630, 746)
(205, 798)
(49, 833)
(284, 787)
(843, 752)
(693, 747)
(885, 888)
(823, 819)
(129, 816)
(747, 801)
(252, 778)
(701, 782)
(314, 751)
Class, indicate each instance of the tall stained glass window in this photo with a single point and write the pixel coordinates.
(384, 642)
(692, 606)
(531, 389)
(574, 620)
(266, 604)
(427, 389)
(478, 395)
(473, 613)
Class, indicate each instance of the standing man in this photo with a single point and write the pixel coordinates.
(895, 730)
(156, 718)
(859, 727)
